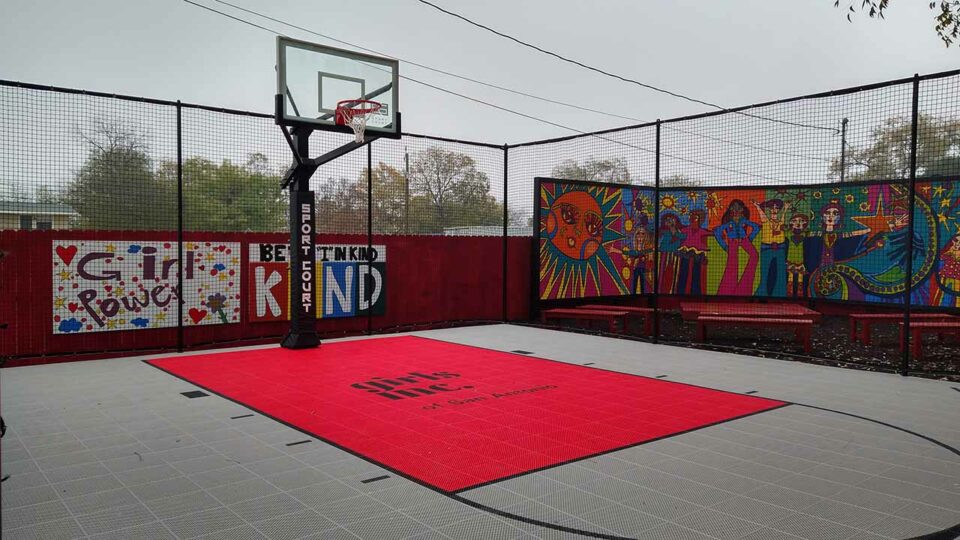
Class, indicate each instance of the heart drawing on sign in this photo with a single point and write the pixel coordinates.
(197, 315)
(66, 254)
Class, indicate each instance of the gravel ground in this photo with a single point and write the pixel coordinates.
(831, 346)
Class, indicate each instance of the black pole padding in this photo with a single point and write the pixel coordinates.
(303, 253)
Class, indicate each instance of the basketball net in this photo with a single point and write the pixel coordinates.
(355, 113)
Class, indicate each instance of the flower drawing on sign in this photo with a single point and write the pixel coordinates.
(216, 303)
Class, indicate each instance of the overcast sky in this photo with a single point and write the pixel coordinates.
(731, 53)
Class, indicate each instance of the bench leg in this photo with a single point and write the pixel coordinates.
(903, 339)
(701, 332)
(648, 324)
(865, 337)
(805, 332)
(853, 330)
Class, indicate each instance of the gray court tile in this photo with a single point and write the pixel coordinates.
(494, 496)
(44, 440)
(24, 481)
(168, 443)
(481, 528)
(296, 479)
(335, 533)
(164, 488)
(787, 498)
(389, 525)
(87, 504)
(23, 516)
(148, 531)
(897, 527)
(933, 515)
(277, 465)
(348, 468)
(845, 514)
(205, 463)
(205, 522)
(20, 467)
(322, 494)
(67, 447)
(872, 500)
(402, 494)
(60, 529)
(295, 525)
(574, 501)
(221, 477)
(66, 460)
(87, 486)
(766, 533)
(243, 491)
(354, 509)
(244, 532)
(23, 496)
(717, 524)
(807, 526)
(812, 485)
(837, 474)
(660, 505)
(622, 520)
(267, 507)
(607, 464)
(178, 505)
(145, 475)
(119, 517)
(443, 512)
(532, 485)
(925, 478)
(116, 439)
(672, 531)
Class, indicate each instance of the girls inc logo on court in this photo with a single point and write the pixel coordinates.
(412, 385)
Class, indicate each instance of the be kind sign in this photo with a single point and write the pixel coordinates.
(101, 286)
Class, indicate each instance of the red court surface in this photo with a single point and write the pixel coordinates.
(453, 416)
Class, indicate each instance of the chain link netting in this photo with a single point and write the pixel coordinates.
(811, 195)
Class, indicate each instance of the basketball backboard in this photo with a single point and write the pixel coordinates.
(312, 79)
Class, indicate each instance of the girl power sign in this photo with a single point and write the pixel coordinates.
(102, 285)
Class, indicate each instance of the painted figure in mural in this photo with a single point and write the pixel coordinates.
(796, 271)
(773, 248)
(947, 286)
(830, 244)
(574, 225)
(735, 233)
(671, 237)
(638, 253)
(693, 256)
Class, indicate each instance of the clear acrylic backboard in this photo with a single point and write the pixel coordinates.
(312, 79)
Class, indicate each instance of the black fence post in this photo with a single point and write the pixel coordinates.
(180, 261)
(367, 292)
(506, 232)
(656, 241)
(908, 279)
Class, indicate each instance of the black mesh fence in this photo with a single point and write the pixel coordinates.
(824, 208)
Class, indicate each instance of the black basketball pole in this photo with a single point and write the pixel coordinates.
(303, 294)
(180, 261)
(656, 240)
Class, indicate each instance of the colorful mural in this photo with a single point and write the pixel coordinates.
(102, 285)
(834, 242)
(595, 240)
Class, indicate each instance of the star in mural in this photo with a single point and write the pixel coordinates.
(65, 275)
(59, 302)
(877, 223)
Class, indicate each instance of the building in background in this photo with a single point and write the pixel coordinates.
(25, 215)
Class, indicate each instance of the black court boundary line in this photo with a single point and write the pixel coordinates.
(524, 519)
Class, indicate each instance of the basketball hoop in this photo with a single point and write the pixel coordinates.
(354, 113)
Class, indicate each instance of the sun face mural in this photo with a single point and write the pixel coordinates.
(845, 243)
(594, 240)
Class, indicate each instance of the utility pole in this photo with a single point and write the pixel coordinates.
(843, 149)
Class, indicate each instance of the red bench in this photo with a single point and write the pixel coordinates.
(801, 327)
(690, 311)
(644, 313)
(611, 317)
(865, 322)
(917, 329)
